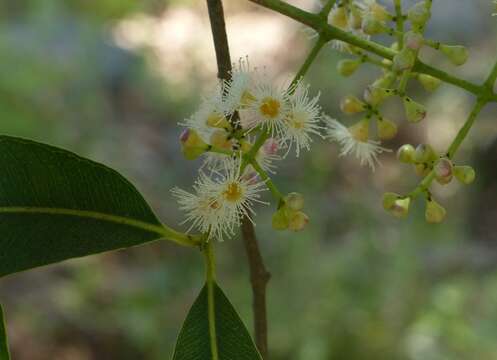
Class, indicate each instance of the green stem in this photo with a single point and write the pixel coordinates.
(264, 176)
(325, 11)
(211, 308)
(399, 19)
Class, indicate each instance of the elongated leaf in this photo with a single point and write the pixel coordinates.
(55, 205)
(232, 338)
(4, 349)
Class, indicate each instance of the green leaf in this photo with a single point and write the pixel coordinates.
(55, 205)
(4, 349)
(231, 337)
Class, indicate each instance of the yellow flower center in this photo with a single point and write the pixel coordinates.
(297, 120)
(270, 107)
(247, 98)
(233, 192)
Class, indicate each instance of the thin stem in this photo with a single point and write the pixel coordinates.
(399, 19)
(325, 11)
(218, 27)
(210, 280)
(265, 177)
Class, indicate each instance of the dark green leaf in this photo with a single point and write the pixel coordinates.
(232, 338)
(55, 205)
(4, 349)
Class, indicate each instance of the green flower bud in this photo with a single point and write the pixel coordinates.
(371, 26)
(355, 18)
(360, 130)
(419, 14)
(298, 221)
(398, 207)
(379, 12)
(280, 220)
(347, 67)
(404, 60)
(421, 170)
(386, 129)
(413, 40)
(429, 82)
(465, 174)
(376, 95)
(218, 121)
(424, 154)
(457, 54)
(434, 212)
(415, 112)
(192, 145)
(220, 139)
(443, 171)
(385, 81)
(294, 201)
(406, 153)
(338, 17)
(351, 105)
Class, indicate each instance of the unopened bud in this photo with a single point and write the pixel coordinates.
(465, 174)
(422, 170)
(217, 121)
(415, 112)
(419, 14)
(375, 95)
(347, 67)
(294, 201)
(351, 105)
(443, 171)
(271, 146)
(192, 145)
(434, 212)
(279, 220)
(406, 153)
(424, 154)
(404, 60)
(457, 54)
(385, 81)
(338, 17)
(360, 130)
(413, 40)
(429, 82)
(379, 12)
(371, 26)
(396, 205)
(245, 146)
(355, 18)
(220, 139)
(386, 129)
(298, 221)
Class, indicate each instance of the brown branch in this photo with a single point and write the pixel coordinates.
(259, 276)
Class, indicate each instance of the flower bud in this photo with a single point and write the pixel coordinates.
(413, 40)
(271, 146)
(379, 12)
(404, 60)
(220, 139)
(386, 129)
(434, 212)
(338, 17)
(429, 82)
(347, 67)
(465, 174)
(415, 112)
(355, 18)
(424, 154)
(385, 81)
(422, 169)
(298, 221)
(245, 146)
(406, 153)
(217, 121)
(457, 54)
(371, 26)
(375, 95)
(419, 14)
(294, 201)
(351, 105)
(192, 145)
(443, 171)
(279, 220)
(396, 205)
(360, 130)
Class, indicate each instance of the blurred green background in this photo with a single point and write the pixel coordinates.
(110, 79)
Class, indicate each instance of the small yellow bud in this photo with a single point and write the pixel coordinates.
(419, 14)
(398, 207)
(351, 105)
(422, 169)
(385, 81)
(443, 171)
(415, 112)
(338, 17)
(434, 212)
(218, 121)
(406, 153)
(389, 199)
(465, 174)
(245, 146)
(347, 67)
(413, 40)
(376, 95)
(355, 18)
(424, 154)
(371, 26)
(192, 145)
(404, 60)
(220, 139)
(379, 12)
(457, 54)
(430, 83)
(360, 130)
(298, 221)
(386, 129)
(294, 201)
(279, 220)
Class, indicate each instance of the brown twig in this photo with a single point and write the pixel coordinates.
(259, 276)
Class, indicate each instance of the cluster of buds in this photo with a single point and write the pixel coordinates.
(290, 215)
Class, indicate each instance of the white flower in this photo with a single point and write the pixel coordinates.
(220, 200)
(303, 118)
(269, 108)
(366, 151)
(237, 91)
